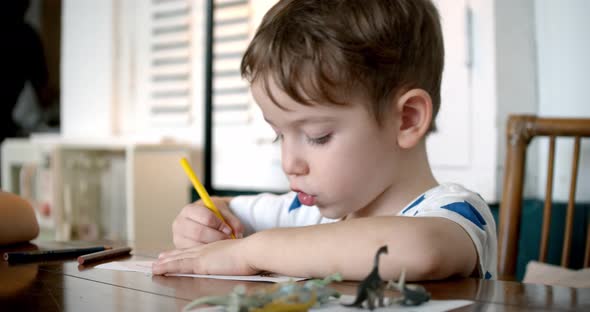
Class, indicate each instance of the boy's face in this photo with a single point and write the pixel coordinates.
(335, 157)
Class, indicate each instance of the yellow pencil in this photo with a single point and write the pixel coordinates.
(202, 191)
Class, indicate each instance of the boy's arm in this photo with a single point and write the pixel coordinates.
(429, 248)
(17, 220)
(196, 225)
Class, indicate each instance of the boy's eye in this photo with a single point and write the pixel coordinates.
(320, 140)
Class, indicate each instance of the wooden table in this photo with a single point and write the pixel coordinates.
(63, 285)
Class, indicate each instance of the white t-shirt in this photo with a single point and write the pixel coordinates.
(450, 201)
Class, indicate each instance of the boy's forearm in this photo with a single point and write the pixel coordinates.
(349, 248)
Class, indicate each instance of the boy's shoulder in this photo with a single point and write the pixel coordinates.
(466, 208)
(450, 198)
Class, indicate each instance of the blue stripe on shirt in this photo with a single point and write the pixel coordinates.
(469, 212)
(416, 202)
(295, 204)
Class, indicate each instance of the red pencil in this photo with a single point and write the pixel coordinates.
(101, 255)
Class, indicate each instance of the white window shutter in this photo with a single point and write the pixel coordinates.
(169, 74)
(231, 35)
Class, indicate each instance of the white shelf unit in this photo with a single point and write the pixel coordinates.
(114, 190)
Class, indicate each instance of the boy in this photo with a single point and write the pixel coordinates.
(351, 88)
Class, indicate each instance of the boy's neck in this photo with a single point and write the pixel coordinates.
(415, 178)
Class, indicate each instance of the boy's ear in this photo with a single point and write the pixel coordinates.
(414, 110)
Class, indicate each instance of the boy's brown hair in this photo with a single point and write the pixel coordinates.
(318, 50)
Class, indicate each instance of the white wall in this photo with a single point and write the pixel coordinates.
(563, 65)
(87, 68)
(542, 66)
(516, 76)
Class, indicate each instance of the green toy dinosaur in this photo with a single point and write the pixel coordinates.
(282, 297)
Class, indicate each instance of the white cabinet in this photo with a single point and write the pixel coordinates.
(114, 190)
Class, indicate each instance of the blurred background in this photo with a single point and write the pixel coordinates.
(102, 97)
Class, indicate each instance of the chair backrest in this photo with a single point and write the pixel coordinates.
(521, 129)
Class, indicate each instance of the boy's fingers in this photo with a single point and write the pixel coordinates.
(183, 265)
(181, 242)
(204, 216)
(201, 214)
(235, 224)
(232, 223)
(207, 217)
(181, 229)
(197, 231)
(204, 234)
(168, 253)
(197, 212)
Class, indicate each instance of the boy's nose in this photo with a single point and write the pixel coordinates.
(293, 163)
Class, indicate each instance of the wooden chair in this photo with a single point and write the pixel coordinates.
(521, 129)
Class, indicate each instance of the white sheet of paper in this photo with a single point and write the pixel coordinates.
(431, 305)
(335, 306)
(146, 268)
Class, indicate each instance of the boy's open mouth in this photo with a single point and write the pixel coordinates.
(306, 199)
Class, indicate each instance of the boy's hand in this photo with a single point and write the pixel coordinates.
(196, 224)
(223, 257)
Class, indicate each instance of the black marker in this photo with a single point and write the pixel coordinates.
(46, 255)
